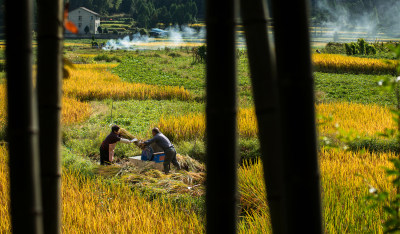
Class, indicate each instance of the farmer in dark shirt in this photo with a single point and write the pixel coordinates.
(165, 144)
(108, 145)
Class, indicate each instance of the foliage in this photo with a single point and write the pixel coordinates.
(353, 88)
(361, 47)
(344, 64)
(107, 58)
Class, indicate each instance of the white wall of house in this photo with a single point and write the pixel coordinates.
(83, 17)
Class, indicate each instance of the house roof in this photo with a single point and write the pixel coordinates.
(85, 9)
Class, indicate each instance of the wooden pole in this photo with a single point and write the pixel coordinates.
(26, 211)
(50, 36)
(265, 92)
(296, 95)
(221, 111)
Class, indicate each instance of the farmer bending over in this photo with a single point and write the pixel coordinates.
(169, 150)
(108, 145)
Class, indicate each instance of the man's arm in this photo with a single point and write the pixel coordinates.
(148, 142)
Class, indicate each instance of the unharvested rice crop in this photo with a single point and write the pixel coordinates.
(192, 126)
(345, 181)
(96, 82)
(3, 106)
(334, 63)
(365, 120)
(94, 206)
(74, 111)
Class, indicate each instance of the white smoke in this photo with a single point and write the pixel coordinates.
(126, 43)
(176, 36)
(349, 26)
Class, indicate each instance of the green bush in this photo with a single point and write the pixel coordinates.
(375, 145)
(107, 58)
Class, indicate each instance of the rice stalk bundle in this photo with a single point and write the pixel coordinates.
(125, 134)
(334, 63)
(96, 82)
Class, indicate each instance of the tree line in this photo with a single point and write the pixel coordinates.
(147, 13)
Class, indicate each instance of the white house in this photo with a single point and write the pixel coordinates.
(83, 17)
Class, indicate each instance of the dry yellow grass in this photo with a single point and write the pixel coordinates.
(95, 82)
(346, 64)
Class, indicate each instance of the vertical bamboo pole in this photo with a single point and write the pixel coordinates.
(26, 212)
(221, 117)
(50, 36)
(265, 92)
(296, 93)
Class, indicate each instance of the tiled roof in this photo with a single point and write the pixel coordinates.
(84, 8)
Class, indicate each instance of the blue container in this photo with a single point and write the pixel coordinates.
(159, 157)
(147, 154)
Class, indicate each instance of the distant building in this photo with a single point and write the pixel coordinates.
(83, 17)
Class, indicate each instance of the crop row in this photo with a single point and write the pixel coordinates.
(96, 82)
(365, 120)
(73, 111)
(333, 63)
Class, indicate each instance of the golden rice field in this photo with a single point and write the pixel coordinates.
(86, 201)
(3, 106)
(93, 206)
(334, 63)
(193, 125)
(365, 120)
(72, 111)
(96, 82)
(343, 190)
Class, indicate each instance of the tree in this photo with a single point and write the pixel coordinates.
(99, 29)
(87, 29)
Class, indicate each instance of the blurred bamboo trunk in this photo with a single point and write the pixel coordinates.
(49, 78)
(265, 92)
(26, 211)
(221, 111)
(296, 96)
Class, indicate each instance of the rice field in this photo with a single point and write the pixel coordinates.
(333, 63)
(365, 120)
(95, 206)
(97, 82)
(345, 180)
(346, 177)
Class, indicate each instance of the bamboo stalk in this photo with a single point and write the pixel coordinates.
(265, 92)
(26, 210)
(221, 111)
(50, 36)
(296, 95)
